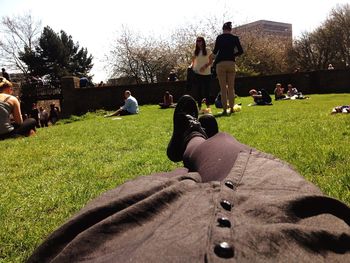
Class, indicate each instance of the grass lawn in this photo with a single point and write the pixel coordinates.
(47, 178)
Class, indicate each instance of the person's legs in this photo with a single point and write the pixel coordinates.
(186, 126)
(200, 87)
(124, 112)
(231, 72)
(206, 89)
(213, 158)
(26, 127)
(221, 73)
(116, 113)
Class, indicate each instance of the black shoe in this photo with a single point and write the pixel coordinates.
(186, 126)
(186, 105)
(209, 124)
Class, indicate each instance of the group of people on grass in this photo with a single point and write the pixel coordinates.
(262, 97)
(12, 123)
(42, 116)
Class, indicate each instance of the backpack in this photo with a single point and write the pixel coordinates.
(218, 103)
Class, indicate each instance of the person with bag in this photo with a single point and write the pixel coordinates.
(260, 97)
(227, 48)
(201, 63)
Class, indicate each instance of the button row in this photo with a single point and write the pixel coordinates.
(224, 249)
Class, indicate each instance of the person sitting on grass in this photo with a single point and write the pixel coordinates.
(11, 121)
(293, 93)
(231, 204)
(130, 106)
(167, 101)
(260, 97)
(279, 92)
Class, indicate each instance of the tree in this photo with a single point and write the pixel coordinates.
(57, 55)
(17, 34)
(146, 59)
(184, 38)
(143, 59)
(263, 54)
(329, 43)
(339, 26)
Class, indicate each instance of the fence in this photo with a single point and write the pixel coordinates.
(76, 101)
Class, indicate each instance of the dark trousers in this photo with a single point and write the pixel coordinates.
(202, 156)
(21, 130)
(203, 85)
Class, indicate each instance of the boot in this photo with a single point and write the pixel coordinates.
(186, 126)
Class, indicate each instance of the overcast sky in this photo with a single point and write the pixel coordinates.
(94, 23)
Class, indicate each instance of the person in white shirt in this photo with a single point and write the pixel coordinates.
(130, 106)
(201, 63)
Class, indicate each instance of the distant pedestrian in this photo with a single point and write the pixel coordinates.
(330, 67)
(5, 74)
(172, 75)
(84, 82)
(43, 117)
(34, 113)
(53, 116)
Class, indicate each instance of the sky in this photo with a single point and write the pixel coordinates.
(94, 24)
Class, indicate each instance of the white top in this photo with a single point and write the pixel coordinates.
(200, 61)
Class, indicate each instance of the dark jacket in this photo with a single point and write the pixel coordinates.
(227, 48)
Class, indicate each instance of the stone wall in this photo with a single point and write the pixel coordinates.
(77, 101)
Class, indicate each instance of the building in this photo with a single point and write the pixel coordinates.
(267, 28)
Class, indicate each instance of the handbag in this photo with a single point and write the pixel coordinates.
(213, 71)
(190, 78)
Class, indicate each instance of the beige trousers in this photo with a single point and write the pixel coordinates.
(226, 73)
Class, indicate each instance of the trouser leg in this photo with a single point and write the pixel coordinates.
(231, 84)
(25, 128)
(212, 158)
(221, 73)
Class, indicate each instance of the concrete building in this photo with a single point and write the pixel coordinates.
(267, 28)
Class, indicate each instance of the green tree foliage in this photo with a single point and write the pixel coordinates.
(57, 55)
(329, 43)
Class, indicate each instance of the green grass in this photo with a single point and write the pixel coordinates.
(47, 178)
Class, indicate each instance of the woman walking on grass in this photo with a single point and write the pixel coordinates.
(227, 48)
